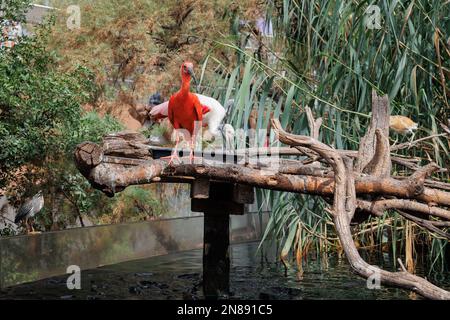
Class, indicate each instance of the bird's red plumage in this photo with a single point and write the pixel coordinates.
(184, 107)
(184, 110)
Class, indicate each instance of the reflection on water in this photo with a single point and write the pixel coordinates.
(179, 276)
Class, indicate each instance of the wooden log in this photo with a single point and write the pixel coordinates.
(203, 205)
(127, 145)
(380, 165)
(216, 257)
(111, 178)
(378, 207)
(87, 156)
(221, 195)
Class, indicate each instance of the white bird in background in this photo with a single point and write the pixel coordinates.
(228, 134)
(212, 118)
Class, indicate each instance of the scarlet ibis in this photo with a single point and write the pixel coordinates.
(183, 109)
(212, 110)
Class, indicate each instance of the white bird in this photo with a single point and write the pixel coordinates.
(228, 136)
(213, 118)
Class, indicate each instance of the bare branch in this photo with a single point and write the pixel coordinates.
(415, 142)
(424, 224)
(378, 207)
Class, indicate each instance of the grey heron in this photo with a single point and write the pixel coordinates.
(29, 209)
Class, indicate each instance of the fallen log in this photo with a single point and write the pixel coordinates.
(112, 176)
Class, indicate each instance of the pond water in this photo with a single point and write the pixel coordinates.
(179, 276)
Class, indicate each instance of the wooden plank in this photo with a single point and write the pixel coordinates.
(200, 189)
(243, 194)
(211, 206)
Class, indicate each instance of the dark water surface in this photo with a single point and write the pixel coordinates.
(179, 276)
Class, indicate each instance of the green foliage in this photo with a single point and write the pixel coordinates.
(39, 105)
(134, 204)
(156, 130)
(13, 10)
(64, 178)
(138, 201)
(92, 127)
(41, 122)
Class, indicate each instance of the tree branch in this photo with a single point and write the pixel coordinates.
(344, 205)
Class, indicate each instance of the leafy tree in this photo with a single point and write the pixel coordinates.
(39, 106)
(13, 10)
(41, 121)
(134, 204)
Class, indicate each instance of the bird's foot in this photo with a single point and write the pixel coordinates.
(34, 232)
(411, 141)
(193, 159)
(172, 159)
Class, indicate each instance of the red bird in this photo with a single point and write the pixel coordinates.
(185, 108)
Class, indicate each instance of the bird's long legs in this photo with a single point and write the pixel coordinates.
(27, 226)
(32, 229)
(413, 134)
(191, 153)
(174, 155)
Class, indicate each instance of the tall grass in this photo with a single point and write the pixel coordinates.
(324, 56)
